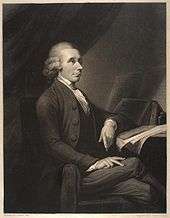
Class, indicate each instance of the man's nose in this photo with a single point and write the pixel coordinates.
(79, 66)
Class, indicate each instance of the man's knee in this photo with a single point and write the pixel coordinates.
(132, 162)
(135, 165)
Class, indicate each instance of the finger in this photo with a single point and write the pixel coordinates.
(112, 159)
(110, 135)
(100, 139)
(118, 158)
(104, 140)
(110, 139)
(100, 166)
(106, 167)
(89, 170)
(110, 142)
(118, 163)
(92, 168)
(103, 167)
(105, 163)
(109, 162)
(106, 148)
(113, 133)
(105, 143)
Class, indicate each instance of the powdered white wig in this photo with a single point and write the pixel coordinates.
(53, 63)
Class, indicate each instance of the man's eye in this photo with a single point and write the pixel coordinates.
(72, 60)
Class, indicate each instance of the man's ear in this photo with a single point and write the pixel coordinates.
(56, 64)
(60, 66)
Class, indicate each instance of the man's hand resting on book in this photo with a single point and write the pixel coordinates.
(106, 163)
(108, 133)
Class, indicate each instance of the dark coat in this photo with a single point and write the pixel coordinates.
(59, 119)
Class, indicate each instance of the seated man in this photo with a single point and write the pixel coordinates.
(68, 127)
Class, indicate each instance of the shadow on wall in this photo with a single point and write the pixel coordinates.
(145, 85)
(129, 60)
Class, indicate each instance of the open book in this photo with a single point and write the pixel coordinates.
(136, 137)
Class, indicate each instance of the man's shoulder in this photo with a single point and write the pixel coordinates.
(50, 96)
(44, 100)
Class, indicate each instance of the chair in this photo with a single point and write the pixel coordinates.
(69, 200)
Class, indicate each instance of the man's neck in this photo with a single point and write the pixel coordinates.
(66, 82)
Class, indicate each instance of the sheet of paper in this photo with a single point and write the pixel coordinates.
(141, 137)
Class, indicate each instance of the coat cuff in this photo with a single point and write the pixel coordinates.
(111, 121)
(86, 162)
(119, 121)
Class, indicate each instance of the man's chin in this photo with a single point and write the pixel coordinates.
(76, 79)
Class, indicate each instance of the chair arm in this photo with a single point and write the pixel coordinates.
(69, 188)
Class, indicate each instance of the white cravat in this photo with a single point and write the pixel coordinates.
(78, 94)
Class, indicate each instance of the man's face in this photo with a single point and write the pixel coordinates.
(71, 64)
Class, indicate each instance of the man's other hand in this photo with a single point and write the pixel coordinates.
(106, 163)
(108, 133)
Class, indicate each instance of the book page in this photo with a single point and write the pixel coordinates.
(138, 134)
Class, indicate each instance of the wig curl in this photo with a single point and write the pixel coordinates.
(52, 65)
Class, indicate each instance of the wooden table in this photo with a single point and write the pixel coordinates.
(154, 156)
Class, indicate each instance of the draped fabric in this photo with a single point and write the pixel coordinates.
(29, 30)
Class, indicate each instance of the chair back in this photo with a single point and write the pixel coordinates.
(139, 111)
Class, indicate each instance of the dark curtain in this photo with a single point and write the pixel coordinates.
(29, 30)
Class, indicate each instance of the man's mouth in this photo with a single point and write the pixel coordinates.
(77, 75)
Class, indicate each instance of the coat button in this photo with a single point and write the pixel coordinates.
(74, 106)
(73, 138)
(75, 122)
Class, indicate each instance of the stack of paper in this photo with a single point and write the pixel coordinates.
(139, 135)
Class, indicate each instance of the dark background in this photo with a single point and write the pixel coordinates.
(124, 55)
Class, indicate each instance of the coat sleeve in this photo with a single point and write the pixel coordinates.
(122, 120)
(56, 148)
(123, 123)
